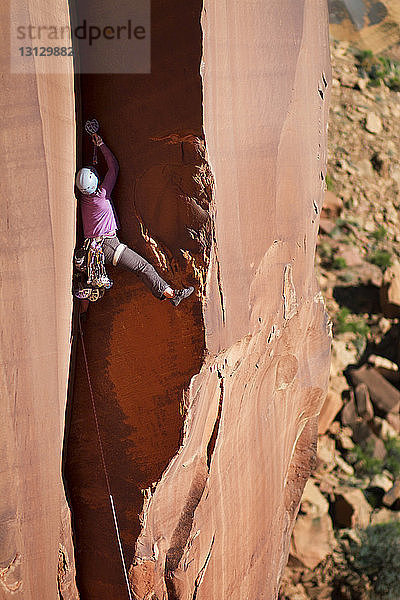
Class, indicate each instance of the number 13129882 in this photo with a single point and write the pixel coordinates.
(43, 51)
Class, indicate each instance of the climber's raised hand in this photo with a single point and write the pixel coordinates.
(97, 141)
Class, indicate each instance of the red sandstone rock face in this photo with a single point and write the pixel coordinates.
(142, 352)
(246, 362)
(217, 401)
(37, 233)
(219, 521)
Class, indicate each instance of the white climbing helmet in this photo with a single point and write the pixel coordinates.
(86, 181)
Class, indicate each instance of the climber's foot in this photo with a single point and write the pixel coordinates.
(180, 295)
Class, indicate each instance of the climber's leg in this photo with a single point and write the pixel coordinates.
(145, 271)
(119, 254)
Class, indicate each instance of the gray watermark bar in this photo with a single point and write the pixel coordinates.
(98, 38)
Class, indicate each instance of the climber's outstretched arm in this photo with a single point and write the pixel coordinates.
(112, 165)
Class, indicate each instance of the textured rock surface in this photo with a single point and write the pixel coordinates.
(313, 536)
(247, 360)
(142, 353)
(202, 536)
(37, 232)
(243, 367)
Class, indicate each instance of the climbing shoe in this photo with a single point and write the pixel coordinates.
(180, 295)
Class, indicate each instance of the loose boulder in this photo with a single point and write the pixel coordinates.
(384, 396)
(313, 538)
(348, 79)
(363, 402)
(326, 225)
(383, 363)
(365, 169)
(384, 515)
(343, 355)
(373, 123)
(382, 482)
(332, 206)
(393, 418)
(332, 405)
(377, 446)
(343, 437)
(344, 466)
(380, 163)
(383, 429)
(325, 454)
(392, 498)
(312, 501)
(361, 432)
(349, 415)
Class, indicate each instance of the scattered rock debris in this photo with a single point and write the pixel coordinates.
(357, 479)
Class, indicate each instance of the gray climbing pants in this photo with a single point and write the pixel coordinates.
(119, 254)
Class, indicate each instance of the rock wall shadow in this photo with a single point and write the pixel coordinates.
(142, 352)
(358, 298)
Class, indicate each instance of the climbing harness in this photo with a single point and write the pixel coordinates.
(92, 126)
(103, 461)
(80, 259)
(90, 278)
(97, 276)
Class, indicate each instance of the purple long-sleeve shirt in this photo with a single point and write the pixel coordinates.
(98, 214)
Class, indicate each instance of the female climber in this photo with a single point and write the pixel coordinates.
(100, 225)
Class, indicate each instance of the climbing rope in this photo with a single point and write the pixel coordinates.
(104, 463)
